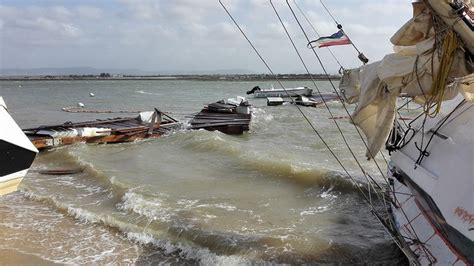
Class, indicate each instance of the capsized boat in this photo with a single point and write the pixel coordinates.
(16, 152)
(272, 92)
(315, 100)
(230, 116)
(148, 124)
(308, 101)
(305, 101)
(431, 170)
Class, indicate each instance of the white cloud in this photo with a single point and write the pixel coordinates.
(390, 7)
(197, 28)
(69, 30)
(191, 33)
(38, 22)
(89, 12)
(260, 3)
(226, 29)
(143, 9)
(8, 13)
(59, 12)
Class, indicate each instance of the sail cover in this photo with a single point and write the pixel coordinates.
(410, 70)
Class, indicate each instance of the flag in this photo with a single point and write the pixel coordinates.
(338, 38)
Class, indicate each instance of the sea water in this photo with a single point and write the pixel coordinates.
(274, 194)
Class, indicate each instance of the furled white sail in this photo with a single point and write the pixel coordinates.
(410, 71)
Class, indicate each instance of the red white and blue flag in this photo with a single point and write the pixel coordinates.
(338, 38)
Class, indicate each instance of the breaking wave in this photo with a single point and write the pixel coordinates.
(292, 171)
(187, 252)
(139, 222)
(259, 115)
(156, 221)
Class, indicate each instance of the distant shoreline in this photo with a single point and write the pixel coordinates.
(106, 76)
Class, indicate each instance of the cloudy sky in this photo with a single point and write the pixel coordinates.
(187, 35)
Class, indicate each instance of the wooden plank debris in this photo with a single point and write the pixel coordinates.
(227, 118)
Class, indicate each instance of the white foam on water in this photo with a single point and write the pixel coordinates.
(83, 215)
(260, 115)
(225, 206)
(152, 208)
(188, 252)
(328, 195)
(186, 203)
(314, 210)
(43, 232)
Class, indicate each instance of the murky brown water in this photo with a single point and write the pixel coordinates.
(272, 195)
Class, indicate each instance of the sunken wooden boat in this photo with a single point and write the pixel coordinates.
(113, 130)
(228, 116)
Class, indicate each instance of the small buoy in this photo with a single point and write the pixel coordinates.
(80, 105)
(91, 94)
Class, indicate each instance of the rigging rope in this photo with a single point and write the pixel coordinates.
(361, 56)
(317, 34)
(337, 93)
(292, 100)
(450, 45)
(372, 181)
(389, 227)
(73, 109)
(424, 151)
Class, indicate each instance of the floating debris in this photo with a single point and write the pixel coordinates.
(305, 101)
(61, 171)
(228, 116)
(275, 101)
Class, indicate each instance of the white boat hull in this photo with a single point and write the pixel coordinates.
(413, 223)
(16, 152)
(432, 200)
(282, 93)
(10, 183)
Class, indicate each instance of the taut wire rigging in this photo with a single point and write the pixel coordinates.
(361, 56)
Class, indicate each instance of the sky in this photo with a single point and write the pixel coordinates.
(190, 35)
